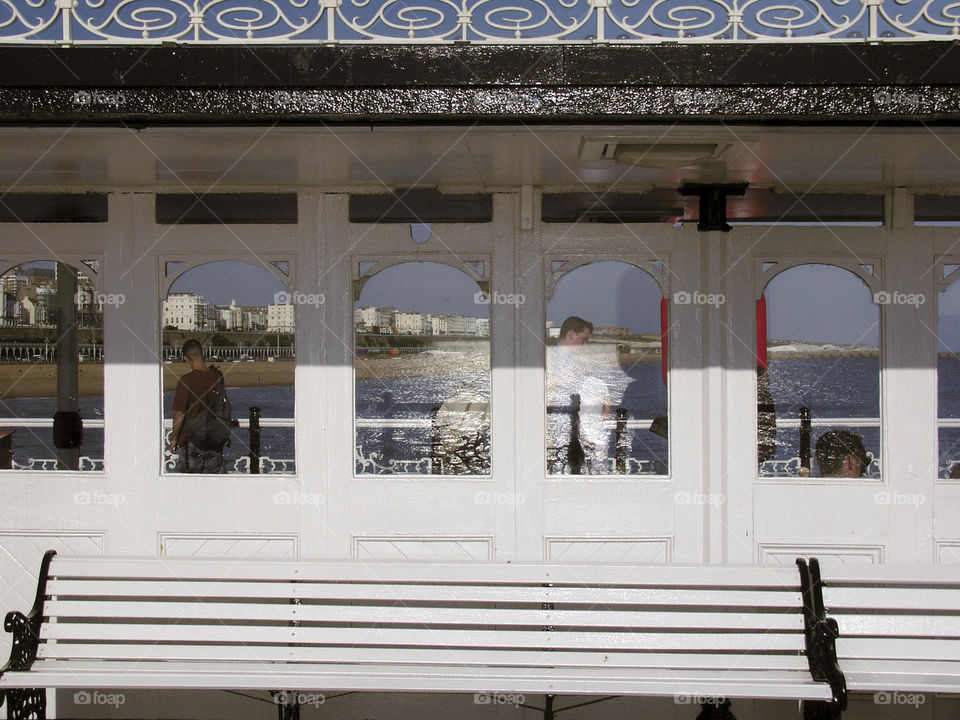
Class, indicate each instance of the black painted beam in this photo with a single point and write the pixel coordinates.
(900, 83)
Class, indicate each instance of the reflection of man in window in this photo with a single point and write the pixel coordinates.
(192, 388)
(581, 401)
(841, 454)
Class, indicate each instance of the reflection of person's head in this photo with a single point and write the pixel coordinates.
(575, 331)
(840, 453)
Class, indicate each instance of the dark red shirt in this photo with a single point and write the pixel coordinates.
(192, 388)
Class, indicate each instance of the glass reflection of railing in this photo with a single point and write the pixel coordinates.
(251, 463)
(456, 448)
(569, 459)
(950, 470)
(87, 464)
(792, 467)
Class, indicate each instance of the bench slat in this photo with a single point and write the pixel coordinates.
(786, 598)
(386, 678)
(894, 626)
(445, 637)
(703, 576)
(846, 598)
(892, 575)
(895, 675)
(873, 681)
(426, 615)
(425, 656)
(900, 648)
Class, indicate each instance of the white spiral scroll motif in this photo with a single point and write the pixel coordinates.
(150, 22)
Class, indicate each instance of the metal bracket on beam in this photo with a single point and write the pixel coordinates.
(713, 203)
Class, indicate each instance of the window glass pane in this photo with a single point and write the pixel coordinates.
(243, 319)
(948, 381)
(422, 369)
(606, 390)
(823, 362)
(41, 303)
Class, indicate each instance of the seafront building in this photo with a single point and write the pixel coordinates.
(184, 311)
(690, 169)
(280, 318)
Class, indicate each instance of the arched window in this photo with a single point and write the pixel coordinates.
(821, 375)
(51, 367)
(242, 317)
(422, 372)
(606, 373)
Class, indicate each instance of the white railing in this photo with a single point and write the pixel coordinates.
(131, 22)
(87, 464)
(862, 422)
(268, 465)
(374, 463)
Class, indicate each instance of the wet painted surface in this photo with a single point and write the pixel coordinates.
(595, 104)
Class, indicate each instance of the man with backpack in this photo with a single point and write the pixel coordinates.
(201, 415)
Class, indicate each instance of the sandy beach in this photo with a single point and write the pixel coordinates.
(40, 379)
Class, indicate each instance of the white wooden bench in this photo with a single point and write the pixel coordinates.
(693, 632)
(899, 627)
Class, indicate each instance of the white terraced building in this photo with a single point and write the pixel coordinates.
(280, 317)
(184, 311)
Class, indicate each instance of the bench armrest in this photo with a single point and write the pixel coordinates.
(821, 634)
(26, 628)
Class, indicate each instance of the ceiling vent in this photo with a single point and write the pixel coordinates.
(671, 153)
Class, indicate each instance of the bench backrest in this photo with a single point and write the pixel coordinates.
(637, 616)
(899, 613)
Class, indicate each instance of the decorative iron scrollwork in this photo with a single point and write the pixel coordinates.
(821, 635)
(26, 638)
(480, 21)
(26, 628)
(25, 703)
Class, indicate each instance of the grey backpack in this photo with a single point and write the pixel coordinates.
(209, 429)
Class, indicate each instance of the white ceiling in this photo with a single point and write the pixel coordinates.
(366, 159)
